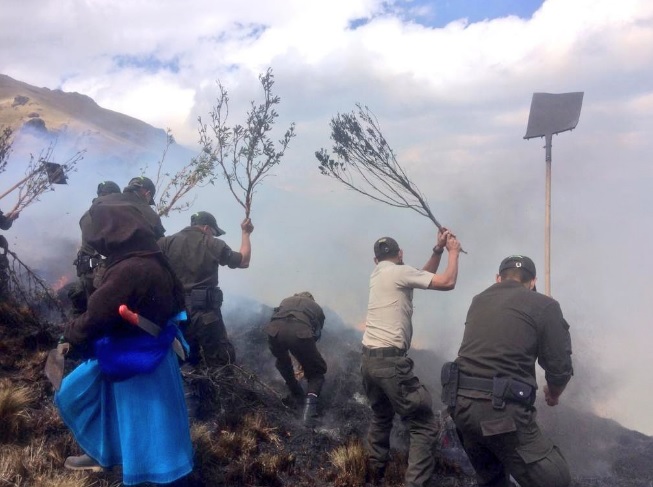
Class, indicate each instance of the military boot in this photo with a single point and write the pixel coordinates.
(82, 462)
(310, 409)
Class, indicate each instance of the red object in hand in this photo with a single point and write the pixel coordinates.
(128, 315)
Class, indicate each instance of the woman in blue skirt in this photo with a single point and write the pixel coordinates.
(125, 404)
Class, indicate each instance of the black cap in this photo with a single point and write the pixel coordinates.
(385, 246)
(205, 218)
(107, 187)
(144, 183)
(518, 261)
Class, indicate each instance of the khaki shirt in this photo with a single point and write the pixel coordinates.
(195, 257)
(390, 306)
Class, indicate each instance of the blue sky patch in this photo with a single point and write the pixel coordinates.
(438, 13)
(149, 63)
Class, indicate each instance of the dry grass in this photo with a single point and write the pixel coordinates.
(37, 465)
(256, 424)
(350, 462)
(14, 414)
(247, 452)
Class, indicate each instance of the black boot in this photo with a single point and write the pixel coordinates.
(310, 409)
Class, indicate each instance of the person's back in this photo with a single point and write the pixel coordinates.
(387, 372)
(490, 388)
(195, 256)
(303, 309)
(130, 389)
(504, 331)
(88, 260)
(390, 306)
(294, 328)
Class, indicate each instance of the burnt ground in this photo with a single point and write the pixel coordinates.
(244, 435)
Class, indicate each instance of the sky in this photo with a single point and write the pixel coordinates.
(451, 84)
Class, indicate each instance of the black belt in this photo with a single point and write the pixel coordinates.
(384, 352)
(475, 383)
(501, 388)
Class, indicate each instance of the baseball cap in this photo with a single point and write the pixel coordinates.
(205, 218)
(142, 182)
(518, 261)
(305, 294)
(385, 246)
(107, 187)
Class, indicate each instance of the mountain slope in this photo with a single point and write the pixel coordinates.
(56, 112)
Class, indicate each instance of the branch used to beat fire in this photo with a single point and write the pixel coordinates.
(41, 176)
(244, 153)
(366, 163)
(173, 188)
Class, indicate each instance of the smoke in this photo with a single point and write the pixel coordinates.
(481, 181)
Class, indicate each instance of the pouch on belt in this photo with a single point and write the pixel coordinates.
(449, 380)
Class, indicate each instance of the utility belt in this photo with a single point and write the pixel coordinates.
(86, 263)
(502, 388)
(204, 298)
(384, 352)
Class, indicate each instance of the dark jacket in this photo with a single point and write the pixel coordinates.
(508, 328)
(137, 274)
(136, 203)
(301, 309)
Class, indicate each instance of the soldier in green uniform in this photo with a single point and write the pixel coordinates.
(294, 328)
(195, 255)
(491, 386)
(88, 260)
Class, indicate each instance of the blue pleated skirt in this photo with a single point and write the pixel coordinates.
(140, 423)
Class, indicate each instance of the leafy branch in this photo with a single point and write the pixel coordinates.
(366, 163)
(244, 153)
(5, 147)
(41, 176)
(172, 188)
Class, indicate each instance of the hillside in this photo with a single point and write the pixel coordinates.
(56, 112)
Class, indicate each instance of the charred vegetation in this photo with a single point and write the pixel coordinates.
(245, 435)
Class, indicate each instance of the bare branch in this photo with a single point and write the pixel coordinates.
(245, 153)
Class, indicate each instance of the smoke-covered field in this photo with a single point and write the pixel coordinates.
(244, 435)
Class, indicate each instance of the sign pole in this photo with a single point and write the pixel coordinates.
(547, 219)
(551, 114)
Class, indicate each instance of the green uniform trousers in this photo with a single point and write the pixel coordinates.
(392, 388)
(505, 442)
(207, 337)
(291, 339)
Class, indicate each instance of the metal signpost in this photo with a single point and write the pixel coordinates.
(551, 114)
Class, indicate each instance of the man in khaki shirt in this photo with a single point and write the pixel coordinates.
(388, 378)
